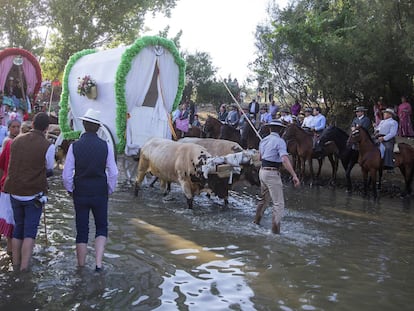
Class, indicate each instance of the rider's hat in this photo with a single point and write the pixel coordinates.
(276, 123)
(360, 108)
(308, 109)
(92, 116)
(389, 110)
(286, 110)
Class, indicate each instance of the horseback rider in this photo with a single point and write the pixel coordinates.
(361, 120)
(233, 116)
(307, 121)
(317, 125)
(385, 132)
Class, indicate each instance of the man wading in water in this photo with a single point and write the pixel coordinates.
(273, 154)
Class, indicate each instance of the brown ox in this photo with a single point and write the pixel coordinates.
(173, 162)
(220, 147)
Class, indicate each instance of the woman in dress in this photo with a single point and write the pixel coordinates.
(405, 128)
(6, 211)
(378, 107)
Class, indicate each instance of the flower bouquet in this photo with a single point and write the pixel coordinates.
(87, 87)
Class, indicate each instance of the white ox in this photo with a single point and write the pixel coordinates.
(173, 162)
(225, 151)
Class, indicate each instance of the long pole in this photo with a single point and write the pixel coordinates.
(240, 108)
(44, 220)
(50, 100)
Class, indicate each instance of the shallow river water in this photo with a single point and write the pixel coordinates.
(336, 252)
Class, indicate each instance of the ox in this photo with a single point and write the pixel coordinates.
(173, 162)
(219, 147)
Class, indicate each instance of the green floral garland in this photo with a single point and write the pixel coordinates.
(125, 67)
(64, 98)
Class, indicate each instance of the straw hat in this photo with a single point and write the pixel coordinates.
(92, 116)
(276, 123)
(389, 110)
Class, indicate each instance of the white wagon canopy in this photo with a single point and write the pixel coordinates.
(135, 88)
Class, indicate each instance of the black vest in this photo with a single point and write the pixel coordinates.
(90, 154)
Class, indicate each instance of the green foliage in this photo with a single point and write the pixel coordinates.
(339, 51)
(18, 22)
(85, 24)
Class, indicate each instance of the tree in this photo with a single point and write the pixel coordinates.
(84, 24)
(199, 75)
(19, 23)
(338, 50)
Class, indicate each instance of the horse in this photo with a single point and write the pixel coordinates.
(193, 131)
(300, 144)
(334, 137)
(369, 159)
(251, 140)
(404, 160)
(214, 128)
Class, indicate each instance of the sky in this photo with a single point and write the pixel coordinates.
(223, 28)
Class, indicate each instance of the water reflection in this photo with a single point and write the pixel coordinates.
(336, 251)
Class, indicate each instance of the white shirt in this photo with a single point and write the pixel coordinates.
(307, 121)
(287, 118)
(388, 127)
(318, 122)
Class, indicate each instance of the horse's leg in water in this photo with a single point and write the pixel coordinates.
(351, 163)
(379, 178)
(373, 175)
(334, 164)
(319, 168)
(365, 181)
(310, 160)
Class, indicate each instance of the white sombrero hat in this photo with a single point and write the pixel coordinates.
(92, 116)
(276, 123)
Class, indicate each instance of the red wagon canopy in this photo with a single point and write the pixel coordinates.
(20, 69)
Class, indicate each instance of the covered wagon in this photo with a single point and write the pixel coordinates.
(20, 79)
(135, 88)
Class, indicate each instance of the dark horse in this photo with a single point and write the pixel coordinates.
(300, 144)
(335, 138)
(369, 159)
(214, 128)
(193, 131)
(404, 160)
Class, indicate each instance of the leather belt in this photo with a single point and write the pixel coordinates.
(269, 168)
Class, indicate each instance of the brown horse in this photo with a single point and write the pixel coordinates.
(404, 160)
(369, 159)
(300, 143)
(334, 137)
(193, 131)
(214, 128)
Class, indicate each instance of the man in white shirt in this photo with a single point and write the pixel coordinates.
(385, 132)
(318, 120)
(307, 121)
(285, 116)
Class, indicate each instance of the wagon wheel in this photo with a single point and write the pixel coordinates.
(105, 134)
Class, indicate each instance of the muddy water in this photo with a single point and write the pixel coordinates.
(336, 252)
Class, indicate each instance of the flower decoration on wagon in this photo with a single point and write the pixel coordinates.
(87, 87)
